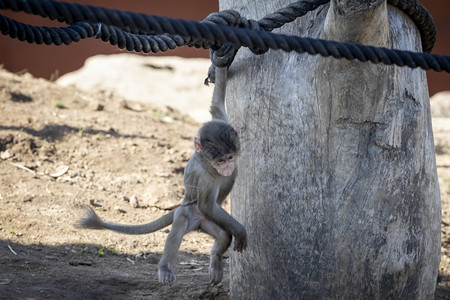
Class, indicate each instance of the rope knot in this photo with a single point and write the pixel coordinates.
(224, 17)
(222, 55)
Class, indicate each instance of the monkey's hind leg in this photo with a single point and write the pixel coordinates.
(221, 244)
(179, 228)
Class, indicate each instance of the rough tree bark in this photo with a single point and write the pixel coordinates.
(337, 181)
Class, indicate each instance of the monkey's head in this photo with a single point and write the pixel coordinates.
(219, 143)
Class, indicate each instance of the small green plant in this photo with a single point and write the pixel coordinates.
(26, 265)
(82, 250)
(58, 104)
(15, 233)
(104, 250)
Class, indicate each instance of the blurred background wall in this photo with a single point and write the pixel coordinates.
(52, 61)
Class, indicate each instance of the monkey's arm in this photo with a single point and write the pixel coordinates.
(93, 221)
(212, 211)
(217, 109)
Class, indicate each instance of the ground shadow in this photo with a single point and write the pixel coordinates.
(80, 271)
(55, 132)
(21, 98)
(442, 289)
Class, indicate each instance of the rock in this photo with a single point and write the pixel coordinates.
(98, 107)
(5, 155)
(440, 105)
(157, 197)
(186, 91)
(119, 209)
(134, 201)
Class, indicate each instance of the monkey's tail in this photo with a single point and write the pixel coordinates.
(93, 221)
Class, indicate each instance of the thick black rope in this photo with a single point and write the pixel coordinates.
(136, 23)
(81, 30)
(69, 13)
(422, 18)
(263, 40)
(412, 8)
(253, 39)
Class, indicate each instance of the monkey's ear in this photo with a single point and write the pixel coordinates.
(238, 130)
(197, 145)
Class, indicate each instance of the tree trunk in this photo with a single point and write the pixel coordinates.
(337, 183)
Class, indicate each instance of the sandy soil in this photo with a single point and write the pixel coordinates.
(61, 148)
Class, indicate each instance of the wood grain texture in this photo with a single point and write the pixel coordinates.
(337, 182)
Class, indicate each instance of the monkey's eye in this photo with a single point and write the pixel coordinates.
(230, 157)
(221, 160)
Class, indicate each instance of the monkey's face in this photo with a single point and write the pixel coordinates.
(224, 165)
(218, 143)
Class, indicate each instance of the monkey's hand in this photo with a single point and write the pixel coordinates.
(240, 238)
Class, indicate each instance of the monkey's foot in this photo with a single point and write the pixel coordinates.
(215, 269)
(166, 276)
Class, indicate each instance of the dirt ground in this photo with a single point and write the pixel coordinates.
(61, 148)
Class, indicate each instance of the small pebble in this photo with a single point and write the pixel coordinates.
(134, 202)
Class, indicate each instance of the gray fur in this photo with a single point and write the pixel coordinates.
(205, 191)
(93, 221)
(217, 108)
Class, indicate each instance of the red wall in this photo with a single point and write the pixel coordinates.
(440, 10)
(43, 61)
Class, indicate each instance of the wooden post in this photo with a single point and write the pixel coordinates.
(337, 182)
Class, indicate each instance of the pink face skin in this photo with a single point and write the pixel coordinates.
(225, 167)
